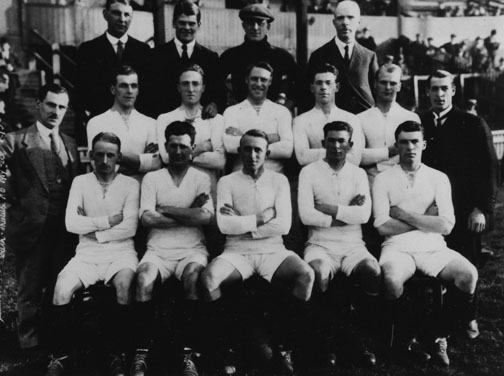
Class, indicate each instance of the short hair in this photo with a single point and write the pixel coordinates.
(390, 68)
(108, 3)
(188, 8)
(338, 126)
(324, 68)
(125, 70)
(409, 126)
(180, 128)
(107, 137)
(51, 87)
(192, 68)
(4, 40)
(259, 64)
(440, 74)
(255, 133)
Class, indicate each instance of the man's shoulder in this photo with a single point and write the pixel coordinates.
(303, 118)
(275, 107)
(93, 44)
(329, 45)
(196, 174)
(277, 177)
(154, 176)
(433, 174)
(388, 175)
(127, 181)
(144, 119)
(205, 50)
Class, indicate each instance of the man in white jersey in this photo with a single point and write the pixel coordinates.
(308, 127)
(254, 211)
(258, 112)
(380, 122)
(175, 203)
(136, 131)
(103, 209)
(208, 154)
(413, 209)
(333, 202)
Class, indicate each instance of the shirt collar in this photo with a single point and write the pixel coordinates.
(341, 46)
(113, 40)
(44, 131)
(190, 46)
(442, 114)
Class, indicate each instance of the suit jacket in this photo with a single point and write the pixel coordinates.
(28, 192)
(96, 65)
(463, 149)
(354, 94)
(163, 77)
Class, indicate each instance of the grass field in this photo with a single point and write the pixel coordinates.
(482, 356)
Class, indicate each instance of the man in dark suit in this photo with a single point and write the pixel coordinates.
(460, 145)
(100, 58)
(356, 63)
(42, 162)
(169, 59)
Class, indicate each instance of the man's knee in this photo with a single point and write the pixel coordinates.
(66, 285)
(209, 280)
(368, 268)
(146, 277)
(322, 273)
(122, 283)
(305, 275)
(393, 283)
(467, 278)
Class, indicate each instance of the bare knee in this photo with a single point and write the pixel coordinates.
(322, 273)
(209, 283)
(122, 283)
(393, 284)
(146, 278)
(66, 286)
(304, 280)
(466, 279)
(190, 279)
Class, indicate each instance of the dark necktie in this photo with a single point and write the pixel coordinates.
(185, 56)
(347, 57)
(120, 52)
(439, 120)
(54, 143)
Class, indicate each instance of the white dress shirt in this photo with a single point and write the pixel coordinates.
(113, 40)
(341, 47)
(190, 47)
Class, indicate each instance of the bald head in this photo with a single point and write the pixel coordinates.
(346, 20)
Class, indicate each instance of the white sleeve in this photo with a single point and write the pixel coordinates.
(355, 154)
(231, 143)
(148, 194)
(283, 148)
(304, 154)
(232, 225)
(381, 202)
(215, 159)
(354, 215)
(306, 202)
(150, 161)
(443, 199)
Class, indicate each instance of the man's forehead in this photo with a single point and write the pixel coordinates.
(254, 141)
(416, 135)
(184, 139)
(347, 8)
(120, 6)
(338, 134)
(259, 72)
(187, 18)
(389, 76)
(105, 146)
(59, 98)
(127, 78)
(324, 76)
(190, 76)
(440, 81)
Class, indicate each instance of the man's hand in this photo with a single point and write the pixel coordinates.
(265, 216)
(476, 222)
(80, 211)
(392, 151)
(91, 235)
(202, 147)
(200, 200)
(358, 200)
(115, 219)
(432, 210)
(210, 111)
(397, 213)
(324, 208)
(232, 131)
(273, 137)
(152, 148)
(229, 209)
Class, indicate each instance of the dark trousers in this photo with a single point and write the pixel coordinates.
(37, 270)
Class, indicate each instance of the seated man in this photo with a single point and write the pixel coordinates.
(308, 127)
(208, 154)
(333, 202)
(254, 212)
(103, 209)
(175, 202)
(413, 209)
(258, 112)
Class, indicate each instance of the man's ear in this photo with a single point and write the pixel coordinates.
(113, 90)
(424, 144)
(323, 144)
(350, 143)
(268, 152)
(238, 149)
(105, 14)
(337, 86)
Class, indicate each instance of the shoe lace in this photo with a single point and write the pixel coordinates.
(56, 363)
(117, 364)
(140, 360)
(442, 344)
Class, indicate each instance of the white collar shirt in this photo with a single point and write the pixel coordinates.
(341, 47)
(190, 47)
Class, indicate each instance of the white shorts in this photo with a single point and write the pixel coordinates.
(428, 262)
(264, 264)
(345, 261)
(89, 273)
(168, 267)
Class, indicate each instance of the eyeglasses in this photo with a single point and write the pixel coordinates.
(254, 21)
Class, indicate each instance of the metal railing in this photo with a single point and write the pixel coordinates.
(54, 67)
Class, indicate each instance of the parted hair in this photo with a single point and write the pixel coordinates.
(188, 8)
(180, 128)
(107, 137)
(409, 126)
(338, 126)
(51, 87)
(255, 133)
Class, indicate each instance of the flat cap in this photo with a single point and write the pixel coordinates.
(257, 11)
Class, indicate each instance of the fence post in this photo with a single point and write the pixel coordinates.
(56, 63)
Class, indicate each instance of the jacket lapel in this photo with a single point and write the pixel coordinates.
(356, 58)
(35, 149)
(72, 152)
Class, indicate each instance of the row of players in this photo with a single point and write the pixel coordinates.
(412, 209)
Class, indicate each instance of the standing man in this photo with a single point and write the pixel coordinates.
(100, 58)
(413, 209)
(42, 163)
(136, 131)
(380, 122)
(257, 19)
(461, 145)
(175, 203)
(208, 153)
(169, 59)
(103, 209)
(254, 211)
(333, 202)
(309, 127)
(258, 112)
(356, 64)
